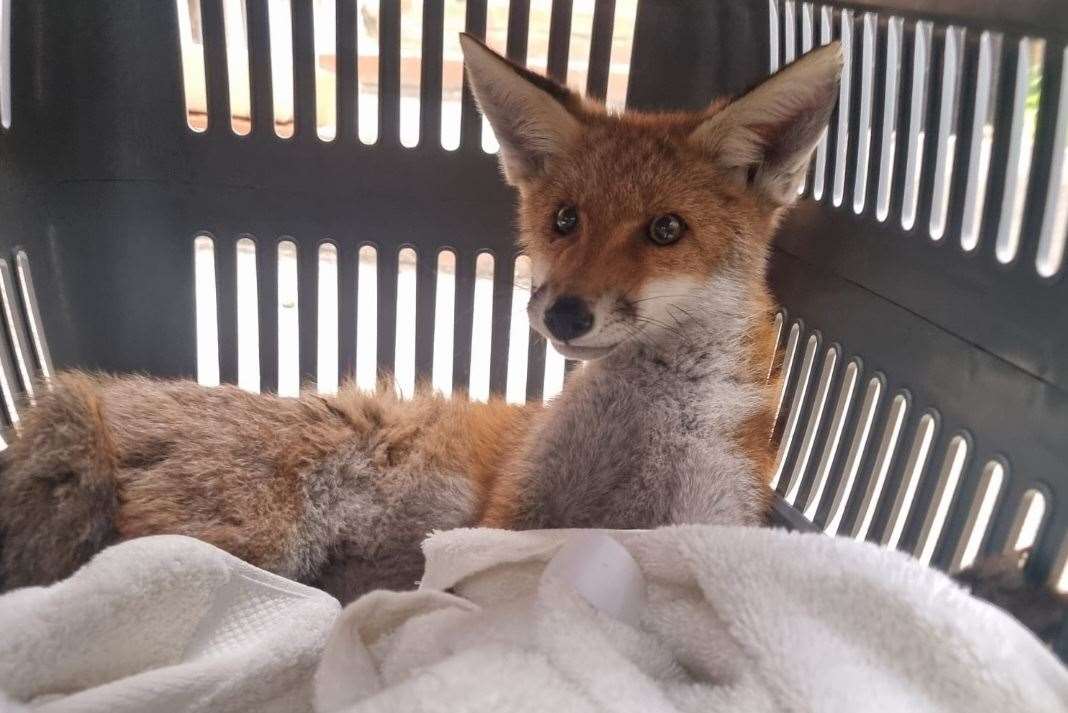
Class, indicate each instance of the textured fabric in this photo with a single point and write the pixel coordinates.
(734, 619)
(163, 623)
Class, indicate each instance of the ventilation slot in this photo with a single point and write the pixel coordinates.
(444, 310)
(819, 404)
(789, 31)
(555, 370)
(538, 35)
(914, 468)
(800, 392)
(5, 64)
(982, 141)
(941, 498)
(1055, 220)
(481, 328)
(367, 72)
(857, 450)
(280, 19)
(33, 314)
(947, 130)
(867, 79)
(452, 75)
(844, 90)
(1027, 95)
(191, 44)
(578, 55)
(496, 37)
(324, 24)
(237, 65)
(411, 58)
(982, 509)
(622, 48)
(807, 38)
(288, 320)
(366, 318)
(326, 367)
(1059, 574)
(773, 35)
(519, 336)
(888, 142)
(404, 361)
(780, 319)
(788, 365)
(883, 459)
(206, 311)
(1028, 521)
(248, 323)
(834, 438)
(819, 174)
(917, 122)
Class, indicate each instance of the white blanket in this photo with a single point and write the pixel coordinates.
(730, 620)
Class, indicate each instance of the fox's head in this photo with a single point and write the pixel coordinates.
(634, 221)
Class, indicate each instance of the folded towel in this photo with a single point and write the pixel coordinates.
(163, 624)
(732, 620)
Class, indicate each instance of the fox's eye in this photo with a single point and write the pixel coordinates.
(566, 220)
(666, 229)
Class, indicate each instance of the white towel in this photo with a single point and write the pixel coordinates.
(733, 620)
(163, 624)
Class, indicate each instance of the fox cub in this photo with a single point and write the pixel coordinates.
(648, 235)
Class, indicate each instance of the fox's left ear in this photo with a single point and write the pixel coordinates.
(767, 136)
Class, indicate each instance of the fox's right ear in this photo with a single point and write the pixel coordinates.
(528, 112)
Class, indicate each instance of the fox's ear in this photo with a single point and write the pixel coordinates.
(528, 112)
(766, 136)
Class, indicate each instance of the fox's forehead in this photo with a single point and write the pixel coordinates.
(620, 169)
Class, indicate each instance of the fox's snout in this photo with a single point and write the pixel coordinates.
(568, 317)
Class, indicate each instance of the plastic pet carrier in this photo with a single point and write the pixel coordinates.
(276, 191)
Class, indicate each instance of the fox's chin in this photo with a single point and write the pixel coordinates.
(584, 353)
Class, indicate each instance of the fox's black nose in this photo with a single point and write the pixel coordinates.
(568, 318)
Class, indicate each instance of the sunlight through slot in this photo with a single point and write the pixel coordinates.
(326, 369)
(33, 314)
(773, 35)
(883, 458)
(789, 32)
(1027, 524)
(191, 44)
(914, 467)
(845, 88)
(206, 310)
(280, 19)
(894, 39)
(834, 437)
(288, 321)
(947, 132)
(496, 38)
(519, 333)
(538, 36)
(917, 118)
(982, 509)
(444, 315)
(819, 404)
(788, 365)
(867, 88)
(367, 71)
(248, 317)
(452, 74)
(1055, 219)
(404, 359)
(578, 50)
(1059, 572)
(1027, 96)
(367, 318)
(411, 60)
(481, 328)
(857, 449)
(807, 39)
(819, 173)
(324, 21)
(800, 393)
(622, 50)
(554, 373)
(982, 139)
(237, 68)
(948, 480)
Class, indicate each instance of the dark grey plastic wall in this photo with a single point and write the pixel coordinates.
(103, 187)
